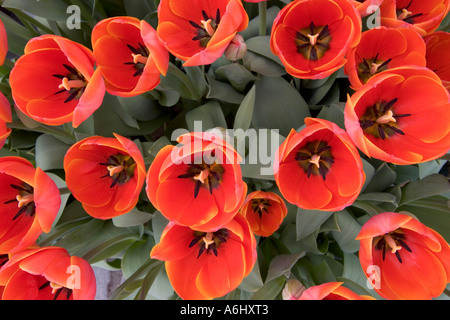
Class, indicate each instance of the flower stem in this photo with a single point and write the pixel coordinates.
(262, 9)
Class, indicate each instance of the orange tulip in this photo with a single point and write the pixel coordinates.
(5, 116)
(264, 211)
(413, 261)
(400, 116)
(3, 43)
(366, 7)
(382, 49)
(29, 203)
(54, 82)
(312, 37)
(206, 265)
(438, 55)
(105, 174)
(319, 168)
(198, 32)
(47, 273)
(331, 291)
(421, 16)
(198, 184)
(129, 55)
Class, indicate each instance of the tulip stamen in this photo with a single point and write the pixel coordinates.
(380, 120)
(369, 67)
(73, 82)
(313, 42)
(209, 242)
(207, 175)
(139, 56)
(206, 29)
(260, 206)
(120, 168)
(25, 200)
(406, 15)
(315, 158)
(393, 241)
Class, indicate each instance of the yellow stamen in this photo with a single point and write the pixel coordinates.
(208, 239)
(391, 243)
(23, 201)
(202, 176)
(207, 26)
(386, 118)
(315, 160)
(114, 169)
(138, 58)
(55, 287)
(313, 39)
(69, 84)
(405, 13)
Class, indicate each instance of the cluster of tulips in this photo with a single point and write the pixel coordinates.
(398, 113)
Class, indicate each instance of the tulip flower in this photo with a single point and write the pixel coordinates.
(47, 273)
(198, 32)
(312, 37)
(381, 49)
(331, 291)
(400, 116)
(264, 211)
(421, 16)
(199, 183)
(5, 116)
(54, 82)
(206, 265)
(319, 168)
(105, 174)
(3, 43)
(29, 203)
(129, 55)
(413, 260)
(438, 54)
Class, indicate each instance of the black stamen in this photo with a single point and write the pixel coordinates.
(72, 96)
(397, 254)
(194, 24)
(198, 184)
(205, 15)
(404, 245)
(381, 132)
(70, 69)
(218, 16)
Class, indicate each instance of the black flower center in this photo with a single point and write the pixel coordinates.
(260, 206)
(24, 200)
(370, 67)
(208, 242)
(393, 241)
(73, 82)
(206, 29)
(315, 158)
(120, 169)
(140, 55)
(313, 42)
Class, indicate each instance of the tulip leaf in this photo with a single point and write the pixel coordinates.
(136, 255)
(55, 10)
(263, 65)
(349, 229)
(309, 220)
(431, 185)
(50, 152)
(223, 91)
(238, 76)
(282, 264)
(270, 290)
(209, 116)
(244, 114)
(133, 218)
(278, 106)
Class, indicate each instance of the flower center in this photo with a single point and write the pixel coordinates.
(206, 175)
(315, 158)
(313, 42)
(120, 169)
(139, 56)
(370, 67)
(57, 289)
(73, 83)
(209, 241)
(380, 121)
(392, 241)
(406, 15)
(206, 29)
(260, 205)
(25, 200)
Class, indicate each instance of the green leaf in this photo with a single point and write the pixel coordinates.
(209, 116)
(132, 218)
(223, 91)
(263, 65)
(49, 9)
(282, 264)
(309, 221)
(349, 229)
(140, 107)
(278, 106)
(261, 46)
(135, 256)
(234, 73)
(269, 290)
(244, 114)
(431, 185)
(50, 152)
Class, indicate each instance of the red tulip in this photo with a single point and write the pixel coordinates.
(5, 116)
(198, 32)
(54, 82)
(47, 273)
(105, 174)
(206, 265)
(438, 55)
(400, 116)
(382, 49)
(198, 184)
(319, 168)
(413, 260)
(3, 43)
(129, 55)
(421, 16)
(264, 211)
(312, 37)
(331, 291)
(29, 203)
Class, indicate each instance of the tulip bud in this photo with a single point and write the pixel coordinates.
(293, 290)
(236, 49)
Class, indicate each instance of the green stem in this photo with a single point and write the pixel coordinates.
(64, 190)
(262, 9)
